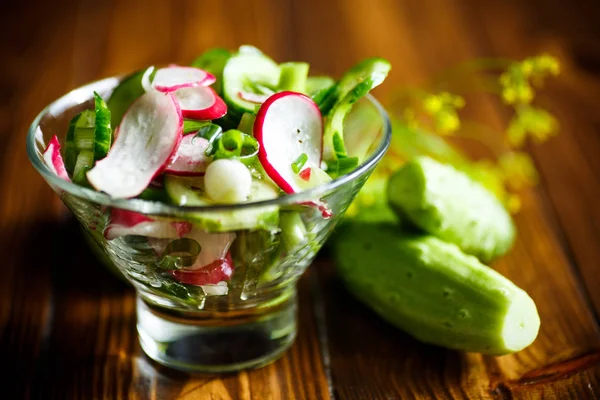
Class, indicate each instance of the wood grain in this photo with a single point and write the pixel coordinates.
(67, 327)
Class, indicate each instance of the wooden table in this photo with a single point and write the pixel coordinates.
(67, 327)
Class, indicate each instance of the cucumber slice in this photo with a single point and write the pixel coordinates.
(103, 130)
(293, 77)
(448, 204)
(293, 231)
(124, 95)
(84, 138)
(193, 126)
(315, 84)
(214, 61)
(355, 83)
(247, 71)
(433, 291)
(188, 191)
(85, 161)
(247, 123)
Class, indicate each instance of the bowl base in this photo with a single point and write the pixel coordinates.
(216, 342)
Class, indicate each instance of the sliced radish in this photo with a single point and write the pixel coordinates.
(253, 97)
(201, 103)
(149, 133)
(189, 159)
(54, 160)
(175, 77)
(287, 125)
(123, 222)
(211, 274)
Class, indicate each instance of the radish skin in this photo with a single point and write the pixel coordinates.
(287, 125)
(54, 160)
(175, 77)
(201, 103)
(211, 274)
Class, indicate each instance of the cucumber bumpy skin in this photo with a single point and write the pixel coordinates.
(448, 204)
(433, 291)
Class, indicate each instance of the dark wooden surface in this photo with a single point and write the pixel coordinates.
(67, 327)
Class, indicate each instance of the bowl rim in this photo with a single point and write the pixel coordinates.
(82, 94)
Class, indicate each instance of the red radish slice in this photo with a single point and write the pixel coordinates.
(170, 79)
(305, 174)
(54, 160)
(200, 103)
(149, 133)
(211, 274)
(123, 222)
(189, 159)
(287, 125)
(253, 97)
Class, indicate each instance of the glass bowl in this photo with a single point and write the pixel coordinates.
(183, 322)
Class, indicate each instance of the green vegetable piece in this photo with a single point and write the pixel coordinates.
(85, 161)
(247, 71)
(448, 204)
(325, 99)
(210, 132)
(124, 95)
(186, 192)
(293, 231)
(355, 83)
(154, 194)
(341, 166)
(180, 253)
(193, 126)
(103, 130)
(237, 145)
(214, 61)
(247, 123)
(299, 163)
(315, 84)
(80, 136)
(433, 291)
(293, 77)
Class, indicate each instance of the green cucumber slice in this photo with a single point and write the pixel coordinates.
(103, 130)
(445, 202)
(315, 84)
(293, 77)
(293, 231)
(154, 194)
(193, 126)
(214, 61)
(433, 291)
(85, 161)
(247, 123)
(124, 95)
(355, 83)
(188, 191)
(247, 72)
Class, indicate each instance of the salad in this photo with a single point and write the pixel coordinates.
(234, 127)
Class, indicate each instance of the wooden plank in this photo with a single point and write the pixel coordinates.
(538, 263)
(569, 163)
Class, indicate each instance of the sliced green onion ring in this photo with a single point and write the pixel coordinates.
(237, 145)
(180, 253)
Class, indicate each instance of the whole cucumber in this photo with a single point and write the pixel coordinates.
(433, 291)
(448, 204)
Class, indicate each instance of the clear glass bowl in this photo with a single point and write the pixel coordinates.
(249, 320)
